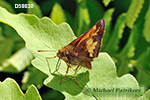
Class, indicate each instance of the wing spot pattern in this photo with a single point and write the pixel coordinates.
(91, 46)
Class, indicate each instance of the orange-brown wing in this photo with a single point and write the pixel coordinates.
(89, 44)
(97, 29)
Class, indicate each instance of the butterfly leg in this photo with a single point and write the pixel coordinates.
(75, 74)
(66, 72)
(57, 67)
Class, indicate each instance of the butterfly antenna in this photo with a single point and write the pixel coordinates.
(47, 50)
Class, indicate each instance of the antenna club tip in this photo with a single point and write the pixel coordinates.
(39, 50)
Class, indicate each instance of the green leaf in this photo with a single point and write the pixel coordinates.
(35, 10)
(133, 12)
(106, 2)
(108, 17)
(144, 82)
(142, 63)
(146, 96)
(95, 10)
(6, 46)
(9, 33)
(10, 90)
(103, 74)
(28, 25)
(17, 62)
(142, 44)
(146, 30)
(7, 6)
(49, 36)
(81, 22)
(33, 76)
(69, 18)
(1, 35)
(57, 15)
(52, 95)
(143, 10)
(46, 6)
(128, 50)
(112, 45)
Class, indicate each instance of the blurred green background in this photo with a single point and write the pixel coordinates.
(127, 37)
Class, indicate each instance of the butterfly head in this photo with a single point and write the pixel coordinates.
(63, 54)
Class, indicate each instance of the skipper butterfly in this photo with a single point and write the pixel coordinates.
(84, 49)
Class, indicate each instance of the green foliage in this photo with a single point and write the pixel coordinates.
(35, 10)
(33, 76)
(106, 2)
(10, 90)
(10, 65)
(126, 40)
(4, 4)
(81, 22)
(14, 56)
(107, 68)
(57, 14)
(133, 11)
(108, 17)
(146, 96)
(113, 43)
(146, 30)
(95, 10)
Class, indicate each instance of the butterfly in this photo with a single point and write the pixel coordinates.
(84, 49)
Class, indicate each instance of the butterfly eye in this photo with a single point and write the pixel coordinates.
(68, 57)
(66, 54)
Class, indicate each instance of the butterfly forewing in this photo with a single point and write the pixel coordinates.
(89, 43)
